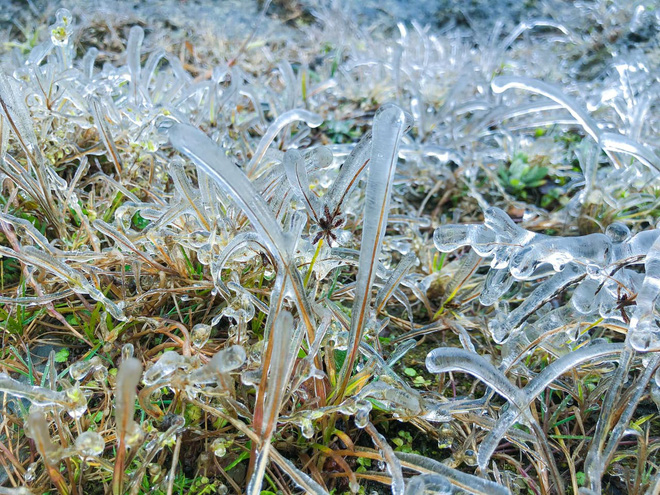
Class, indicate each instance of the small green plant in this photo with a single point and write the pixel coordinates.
(521, 176)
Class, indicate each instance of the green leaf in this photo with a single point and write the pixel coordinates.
(340, 357)
(62, 355)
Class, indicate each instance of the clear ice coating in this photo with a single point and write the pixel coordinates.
(72, 399)
(228, 359)
(591, 262)
(128, 377)
(167, 364)
(645, 322)
(131, 180)
(390, 124)
(90, 444)
(16, 491)
(36, 428)
(78, 371)
(429, 483)
(199, 335)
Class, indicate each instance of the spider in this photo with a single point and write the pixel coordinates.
(624, 300)
(328, 222)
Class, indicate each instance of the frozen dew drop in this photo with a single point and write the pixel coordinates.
(154, 469)
(90, 444)
(362, 413)
(127, 351)
(200, 335)
(219, 447)
(78, 401)
(307, 428)
(228, 359)
(445, 442)
(617, 231)
(80, 369)
(470, 457)
(31, 473)
(165, 366)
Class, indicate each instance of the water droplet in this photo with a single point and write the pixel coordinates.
(362, 414)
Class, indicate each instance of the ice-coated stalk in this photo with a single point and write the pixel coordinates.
(546, 291)
(624, 420)
(622, 144)
(296, 173)
(37, 430)
(212, 160)
(301, 479)
(72, 399)
(465, 482)
(14, 110)
(608, 141)
(184, 188)
(593, 249)
(21, 490)
(135, 38)
(349, 173)
(289, 117)
(451, 237)
(496, 284)
(284, 342)
(503, 83)
(446, 359)
(391, 461)
(390, 123)
(128, 377)
(393, 281)
(644, 332)
(21, 224)
(434, 483)
(99, 112)
(536, 387)
(126, 243)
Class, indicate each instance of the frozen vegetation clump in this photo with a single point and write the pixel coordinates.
(319, 252)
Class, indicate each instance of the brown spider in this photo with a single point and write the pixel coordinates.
(624, 300)
(328, 222)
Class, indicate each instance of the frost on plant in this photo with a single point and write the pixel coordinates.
(329, 249)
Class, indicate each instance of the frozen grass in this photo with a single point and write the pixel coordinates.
(311, 253)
